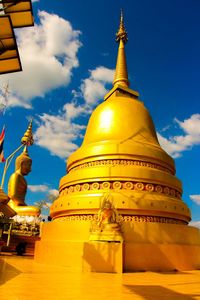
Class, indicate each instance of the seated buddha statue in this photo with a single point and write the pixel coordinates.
(106, 215)
(106, 227)
(17, 186)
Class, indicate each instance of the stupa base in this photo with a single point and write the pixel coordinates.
(109, 234)
(82, 256)
(146, 247)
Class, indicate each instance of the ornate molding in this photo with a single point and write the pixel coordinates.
(124, 218)
(123, 162)
(155, 219)
(120, 185)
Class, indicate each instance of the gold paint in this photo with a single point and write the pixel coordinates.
(123, 218)
(121, 73)
(106, 226)
(115, 162)
(121, 157)
(27, 139)
(17, 186)
(122, 185)
(121, 145)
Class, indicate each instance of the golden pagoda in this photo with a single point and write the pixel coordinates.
(119, 206)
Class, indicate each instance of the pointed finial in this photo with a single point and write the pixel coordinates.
(121, 73)
(27, 139)
(122, 34)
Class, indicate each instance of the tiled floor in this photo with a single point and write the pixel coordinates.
(23, 279)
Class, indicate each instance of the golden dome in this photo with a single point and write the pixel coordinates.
(121, 155)
(121, 126)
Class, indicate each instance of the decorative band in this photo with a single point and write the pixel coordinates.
(124, 162)
(124, 218)
(155, 219)
(118, 185)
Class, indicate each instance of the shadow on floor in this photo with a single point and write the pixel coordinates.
(175, 272)
(7, 271)
(149, 292)
(101, 256)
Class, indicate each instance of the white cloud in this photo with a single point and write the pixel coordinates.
(59, 133)
(94, 87)
(43, 188)
(48, 54)
(195, 223)
(72, 110)
(38, 188)
(175, 145)
(53, 192)
(195, 198)
(191, 126)
(92, 90)
(103, 74)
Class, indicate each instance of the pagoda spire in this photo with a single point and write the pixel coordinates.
(27, 138)
(121, 73)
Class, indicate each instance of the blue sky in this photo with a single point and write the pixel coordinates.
(68, 61)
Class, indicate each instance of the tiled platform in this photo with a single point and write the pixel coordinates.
(23, 279)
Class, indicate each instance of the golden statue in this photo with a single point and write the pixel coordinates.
(17, 186)
(107, 214)
(106, 227)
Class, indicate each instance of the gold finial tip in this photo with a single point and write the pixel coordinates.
(121, 16)
(121, 34)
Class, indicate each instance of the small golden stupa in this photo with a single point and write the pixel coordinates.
(121, 168)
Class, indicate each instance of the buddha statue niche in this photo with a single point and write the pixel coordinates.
(106, 227)
(17, 186)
